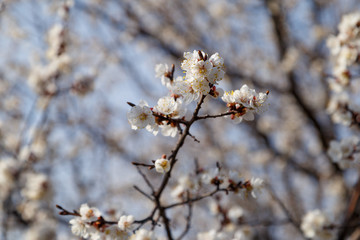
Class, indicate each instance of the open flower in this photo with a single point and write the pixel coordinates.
(89, 214)
(143, 234)
(162, 71)
(345, 153)
(141, 116)
(245, 102)
(79, 227)
(125, 222)
(162, 165)
(257, 184)
(313, 225)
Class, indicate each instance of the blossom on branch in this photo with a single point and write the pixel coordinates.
(245, 102)
(162, 71)
(89, 224)
(143, 234)
(345, 153)
(89, 213)
(201, 71)
(125, 222)
(314, 225)
(256, 185)
(162, 165)
(345, 47)
(141, 116)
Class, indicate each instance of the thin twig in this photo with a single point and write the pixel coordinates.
(145, 179)
(143, 193)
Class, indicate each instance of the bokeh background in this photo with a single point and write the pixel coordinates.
(81, 140)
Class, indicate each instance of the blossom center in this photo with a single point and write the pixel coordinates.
(143, 117)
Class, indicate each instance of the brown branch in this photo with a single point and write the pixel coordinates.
(192, 200)
(215, 116)
(172, 159)
(143, 193)
(146, 179)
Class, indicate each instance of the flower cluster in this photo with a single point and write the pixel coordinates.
(232, 220)
(43, 77)
(224, 180)
(89, 224)
(36, 186)
(345, 153)
(232, 181)
(314, 226)
(345, 47)
(244, 103)
(202, 74)
(186, 185)
(8, 172)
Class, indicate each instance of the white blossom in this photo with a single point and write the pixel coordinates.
(168, 106)
(8, 170)
(89, 214)
(348, 27)
(184, 89)
(345, 153)
(185, 184)
(215, 176)
(37, 186)
(79, 227)
(202, 71)
(218, 71)
(141, 116)
(244, 233)
(56, 40)
(125, 222)
(313, 226)
(235, 213)
(113, 232)
(162, 165)
(199, 85)
(333, 43)
(246, 101)
(257, 184)
(143, 234)
(345, 47)
(161, 71)
(168, 130)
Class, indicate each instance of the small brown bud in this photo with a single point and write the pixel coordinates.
(131, 104)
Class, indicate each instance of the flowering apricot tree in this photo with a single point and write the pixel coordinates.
(108, 130)
(170, 116)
